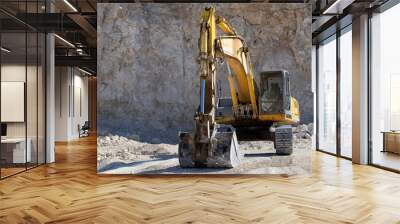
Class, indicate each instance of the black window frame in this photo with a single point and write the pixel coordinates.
(333, 37)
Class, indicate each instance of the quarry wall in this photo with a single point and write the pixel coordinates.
(147, 61)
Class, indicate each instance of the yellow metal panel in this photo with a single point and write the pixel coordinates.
(231, 51)
(233, 91)
(250, 83)
(225, 26)
(212, 31)
(276, 118)
(295, 109)
(224, 119)
(241, 80)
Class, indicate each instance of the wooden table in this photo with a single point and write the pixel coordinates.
(391, 141)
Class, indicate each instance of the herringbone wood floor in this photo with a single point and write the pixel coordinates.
(70, 191)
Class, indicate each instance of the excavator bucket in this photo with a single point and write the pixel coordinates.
(221, 151)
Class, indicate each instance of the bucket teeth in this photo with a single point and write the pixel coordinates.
(222, 149)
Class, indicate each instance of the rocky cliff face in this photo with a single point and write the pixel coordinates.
(147, 68)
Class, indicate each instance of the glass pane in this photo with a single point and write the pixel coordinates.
(13, 88)
(385, 86)
(346, 94)
(31, 86)
(31, 97)
(41, 98)
(327, 96)
(23, 90)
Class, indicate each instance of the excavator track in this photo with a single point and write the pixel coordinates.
(283, 140)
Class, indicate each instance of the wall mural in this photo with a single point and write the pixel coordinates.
(204, 88)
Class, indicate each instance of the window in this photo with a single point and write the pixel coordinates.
(334, 106)
(385, 88)
(327, 96)
(346, 93)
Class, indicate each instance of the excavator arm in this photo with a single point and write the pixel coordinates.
(211, 145)
(231, 48)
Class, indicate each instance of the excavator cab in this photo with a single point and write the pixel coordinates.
(275, 97)
(275, 102)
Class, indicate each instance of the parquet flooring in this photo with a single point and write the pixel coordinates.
(70, 191)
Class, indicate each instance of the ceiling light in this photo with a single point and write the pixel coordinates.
(70, 5)
(65, 41)
(337, 7)
(84, 71)
(5, 50)
(79, 51)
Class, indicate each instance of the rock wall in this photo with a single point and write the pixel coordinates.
(147, 68)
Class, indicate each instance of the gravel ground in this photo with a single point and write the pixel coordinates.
(119, 155)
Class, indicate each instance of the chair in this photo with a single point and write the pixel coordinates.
(84, 130)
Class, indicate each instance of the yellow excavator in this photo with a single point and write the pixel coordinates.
(214, 143)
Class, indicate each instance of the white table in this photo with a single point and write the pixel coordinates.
(19, 155)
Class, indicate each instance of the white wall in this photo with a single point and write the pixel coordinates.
(33, 126)
(80, 105)
(62, 81)
(17, 73)
(71, 102)
(11, 73)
